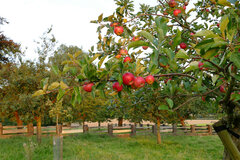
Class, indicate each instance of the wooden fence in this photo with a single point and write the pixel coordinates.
(111, 130)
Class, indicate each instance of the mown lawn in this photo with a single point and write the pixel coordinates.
(103, 147)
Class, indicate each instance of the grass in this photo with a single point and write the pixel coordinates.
(103, 147)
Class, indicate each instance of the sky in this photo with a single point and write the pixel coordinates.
(28, 19)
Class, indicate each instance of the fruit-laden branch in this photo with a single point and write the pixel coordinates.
(215, 65)
(175, 74)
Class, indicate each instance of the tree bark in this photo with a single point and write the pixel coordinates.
(19, 121)
(159, 141)
(120, 121)
(99, 125)
(39, 129)
(231, 143)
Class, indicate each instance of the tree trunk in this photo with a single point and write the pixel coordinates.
(158, 131)
(39, 130)
(18, 120)
(231, 143)
(99, 125)
(120, 121)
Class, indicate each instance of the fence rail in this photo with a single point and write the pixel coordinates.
(111, 130)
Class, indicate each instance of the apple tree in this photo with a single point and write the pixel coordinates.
(197, 45)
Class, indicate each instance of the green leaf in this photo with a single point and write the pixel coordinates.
(102, 93)
(63, 85)
(101, 85)
(95, 57)
(138, 44)
(192, 66)
(146, 35)
(120, 81)
(38, 93)
(224, 3)
(163, 107)
(177, 39)
(73, 99)
(210, 53)
(160, 35)
(215, 78)
(182, 54)
(121, 10)
(169, 53)
(170, 102)
(101, 61)
(205, 44)
(55, 69)
(100, 18)
(223, 24)
(79, 98)
(60, 94)
(44, 82)
(235, 97)
(235, 58)
(206, 33)
(161, 23)
(53, 86)
(199, 81)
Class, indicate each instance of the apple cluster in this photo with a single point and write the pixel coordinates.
(135, 82)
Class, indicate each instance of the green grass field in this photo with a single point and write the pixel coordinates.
(103, 147)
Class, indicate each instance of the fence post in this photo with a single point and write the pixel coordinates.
(133, 130)
(85, 128)
(154, 129)
(1, 129)
(110, 129)
(174, 128)
(193, 130)
(209, 129)
(30, 129)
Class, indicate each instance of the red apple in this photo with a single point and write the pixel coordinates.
(118, 30)
(203, 98)
(239, 50)
(191, 33)
(176, 12)
(232, 68)
(135, 38)
(200, 64)
(216, 56)
(88, 87)
(139, 82)
(114, 24)
(218, 24)
(145, 47)
(127, 59)
(207, 10)
(172, 3)
(118, 56)
(166, 80)
(222, 89)
(123, 52)
(117, 87)
(149, 79)
(184, 7)
(128, 78)
(183, 45)
(165, 13)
